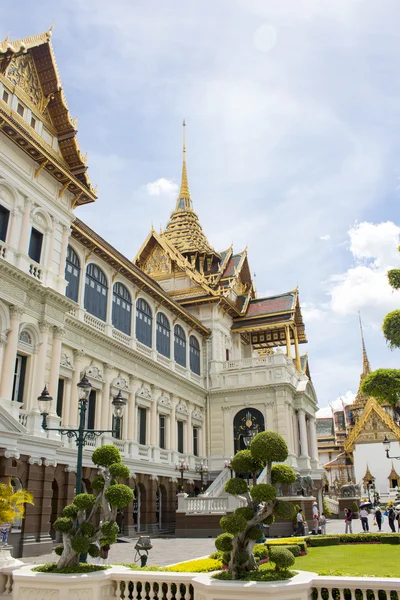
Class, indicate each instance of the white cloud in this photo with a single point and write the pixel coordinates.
(345, 399)
(311, 312)
(325, 238)
(364, 286)
(162, 187)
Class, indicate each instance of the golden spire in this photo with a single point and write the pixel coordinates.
(184, 202)
(366, 366)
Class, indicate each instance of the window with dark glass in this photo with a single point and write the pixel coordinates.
(4, 218)
(195, 441)
(19, 379)
(194, 351)
(60, 397)
(162, 431)
(72, 274)
(35, 245)
(144, 321)
(179, 346)
(142, 414)
(96, 290)
(20, 109)
(117, 423)
(180, 436)
(163, 335)
(91, 410)
(6, 96)
(121, 308)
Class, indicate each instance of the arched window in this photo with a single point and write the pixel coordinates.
(163, 335)
(96, 290)
(246, 424)
(179, 346)
(144, 320)
(72, 274)
(194, 351)
(121, 308)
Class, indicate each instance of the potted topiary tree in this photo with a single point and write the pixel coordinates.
(12, 507)
(79, 533)
(242, 527)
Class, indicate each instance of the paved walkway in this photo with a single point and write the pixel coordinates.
(165, 551)
(338, 526)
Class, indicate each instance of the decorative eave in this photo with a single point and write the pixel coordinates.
(371, 406)
(122, 265)
(53, 109)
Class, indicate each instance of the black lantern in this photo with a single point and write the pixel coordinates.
(119, 405)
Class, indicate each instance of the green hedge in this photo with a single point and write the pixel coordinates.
(293, 548)
(316, 541)
(353, 538)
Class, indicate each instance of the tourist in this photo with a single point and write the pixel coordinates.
(391, 517)
(315, 518)
(322, 522)
(378, 518)
(300, 523)
(364, 519)
(348, 519)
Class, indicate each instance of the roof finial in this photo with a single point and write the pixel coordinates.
(366, 366)
(184, 202)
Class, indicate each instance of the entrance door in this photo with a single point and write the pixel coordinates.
(246, 424)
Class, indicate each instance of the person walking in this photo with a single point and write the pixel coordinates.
(348, 520)
(315, 518)
(391, 517)
(378, 518)
(300, 523)
(322, 522)
(364, 519)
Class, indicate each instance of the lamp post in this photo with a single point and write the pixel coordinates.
(181, 466)
(202, 469)
(228, 465)
(81, 434)
(386, 445)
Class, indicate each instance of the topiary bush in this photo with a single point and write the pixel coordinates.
(282, 558)
(244, 525)
(80, 534)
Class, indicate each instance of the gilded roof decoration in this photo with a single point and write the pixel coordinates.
(372, 426)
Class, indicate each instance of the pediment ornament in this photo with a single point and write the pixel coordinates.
(144, 392)
(158, 262)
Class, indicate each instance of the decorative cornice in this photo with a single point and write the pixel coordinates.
(371, 406)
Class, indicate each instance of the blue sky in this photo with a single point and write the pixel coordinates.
(292, 111)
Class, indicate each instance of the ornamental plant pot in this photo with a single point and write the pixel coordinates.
(5, 529)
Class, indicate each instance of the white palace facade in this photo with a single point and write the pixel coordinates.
(202, 363)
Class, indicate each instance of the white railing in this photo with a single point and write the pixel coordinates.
(121, 337)
(334, 587)
(93, 322)
(23, 417)
(163, 360)
(181, 370)
(3, 250)
(144, 349)
(206, 505)
(262, 476)
(120, 444)
(332, 504)
(35, 271)
(195, 377)
(247, 363)
(144, 451)
(218, 484)
(145, 584)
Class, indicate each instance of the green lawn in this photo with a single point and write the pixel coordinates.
(358, 560)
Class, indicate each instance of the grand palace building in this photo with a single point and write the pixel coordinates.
(202, 363)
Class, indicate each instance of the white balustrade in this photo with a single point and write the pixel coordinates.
(3, 250)
(332, 504)
(206, 505)
(143, 349)
(218, 485)
(247, 363)
(153, 586)
(36, 271)
(163, 360)
(121, 337)
(23, 418)
(93, 322)
(180, 369)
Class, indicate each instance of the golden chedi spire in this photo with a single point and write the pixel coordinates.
(183, 229)
(361, 399)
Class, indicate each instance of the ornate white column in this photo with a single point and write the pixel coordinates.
(99, 409)
(313, 439)
(72, 419)
(106, 413)
(174, 402)
(134, 384)
(155, 392)
(289, 429)
(303, 433)
(66, 401)
(10, 353)
(63, 256)
(189, 431)
(3, 341)
(40, 364)
(125, 421)
(58, 333)
(49, 251)
(25, 227)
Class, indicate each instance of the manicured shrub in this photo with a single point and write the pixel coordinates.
(93, 551)
(59, 550)
(233, 523)
(294, 549)
(87, 529)
(202, 565)
(109, 529)
(270, 446)
(325, 540)
(260, 551)
(70, 511)
(245, 511)
(98, 482)
(223, 543)
(283, 474)
(118, 469)
(263, 492)
(84, 501)
(254, 533)
(216, 555)
(269, 520)
(282, 558)
(80, 544)
(75, 569)
(119, 495)
(62, 524)
(243, 462)
(236, 486)
(105, 456)
(284, 510)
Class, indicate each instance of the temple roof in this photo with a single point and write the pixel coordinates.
(361, 399)
(372, 406)
(28, 66)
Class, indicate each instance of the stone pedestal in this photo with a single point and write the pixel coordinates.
(8, 564)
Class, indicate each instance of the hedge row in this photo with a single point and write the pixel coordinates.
(350, 538)
(288, 543)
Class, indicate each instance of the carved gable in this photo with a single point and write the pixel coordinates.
(22, 72)
(158, 263)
